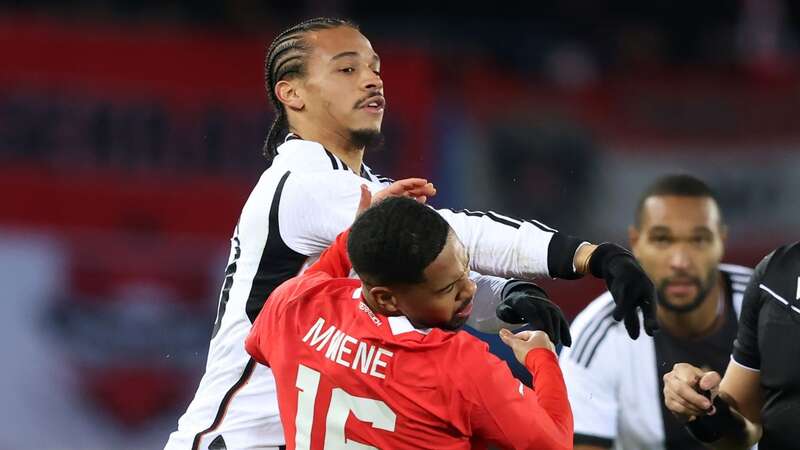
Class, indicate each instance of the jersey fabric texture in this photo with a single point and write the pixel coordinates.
(769, 342)
(297, 208)
(615, 383)
(351, 378)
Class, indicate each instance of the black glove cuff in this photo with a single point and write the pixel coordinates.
(723, 423)
(604, 253)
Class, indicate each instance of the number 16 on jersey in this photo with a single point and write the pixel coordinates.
(372, 411)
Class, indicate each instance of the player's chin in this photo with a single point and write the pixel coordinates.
(456, 323)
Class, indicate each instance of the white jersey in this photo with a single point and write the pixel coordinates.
(615, 383)
(297, 208)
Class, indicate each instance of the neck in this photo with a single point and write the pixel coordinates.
(336, 143)
(698, 323)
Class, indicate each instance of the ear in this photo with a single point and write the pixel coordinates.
(286, 91)
(633, 236)
(385, 299)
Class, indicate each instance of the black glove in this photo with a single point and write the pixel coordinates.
(527, 302)
(628, 284)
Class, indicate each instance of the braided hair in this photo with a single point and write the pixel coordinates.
(286, 59)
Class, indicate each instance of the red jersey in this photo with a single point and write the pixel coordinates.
(350, 378)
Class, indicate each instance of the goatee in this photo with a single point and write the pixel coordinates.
(366, 138)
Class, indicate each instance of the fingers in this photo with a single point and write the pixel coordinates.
(709, 381)
(418, 188)
(681, 385)
(632, 323)
(365, 200)
(506, 336)
(649, 314)
(507, 314)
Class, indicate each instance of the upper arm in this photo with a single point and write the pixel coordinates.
(316, 207)
(334, 261)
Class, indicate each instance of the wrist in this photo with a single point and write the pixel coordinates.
(602, 255)
(538, 356)
(582, 257)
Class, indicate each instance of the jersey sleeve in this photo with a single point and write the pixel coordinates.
(509, 414)
(591, 377)
(488, 294)
(745, 347)
(316, 207)
(513, 248)
(334, 260)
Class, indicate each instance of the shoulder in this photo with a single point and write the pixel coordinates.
(778, 273)
(306, 156)
(598, 310)
(737, 278)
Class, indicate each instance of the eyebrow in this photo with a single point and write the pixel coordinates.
(467, 269)
(351, 53)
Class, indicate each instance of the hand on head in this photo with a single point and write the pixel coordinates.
(417, 188)
(689, 391)
(524, 341)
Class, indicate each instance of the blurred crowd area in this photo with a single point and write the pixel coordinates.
(131, 134)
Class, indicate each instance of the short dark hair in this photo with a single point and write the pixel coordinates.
(286, 59)
(681, 185)
(394, 241)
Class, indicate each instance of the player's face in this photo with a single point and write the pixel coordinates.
(342, 90)
(679, 244)
(444, 300)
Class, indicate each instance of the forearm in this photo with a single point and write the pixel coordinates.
(508, 247)
(551, 392)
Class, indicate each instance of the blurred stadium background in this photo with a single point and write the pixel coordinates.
(131, 133)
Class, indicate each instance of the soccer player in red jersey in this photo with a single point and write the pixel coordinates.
(379, 362)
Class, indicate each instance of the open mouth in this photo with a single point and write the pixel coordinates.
(465, 310)
(375, 104)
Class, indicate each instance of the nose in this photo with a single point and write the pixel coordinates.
(373, 81)
(679, 259)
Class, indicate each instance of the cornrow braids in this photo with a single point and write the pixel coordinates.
(286, 59)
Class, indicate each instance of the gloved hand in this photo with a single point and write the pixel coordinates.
(526, 302)
(629, 285)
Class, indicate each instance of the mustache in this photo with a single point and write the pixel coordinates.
(370, 94)
(681, 278)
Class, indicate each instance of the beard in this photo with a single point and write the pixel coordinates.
(702, 291)
(369, 139)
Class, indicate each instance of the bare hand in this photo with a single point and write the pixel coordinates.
(525, 341)
(682, 391)
(416, 188)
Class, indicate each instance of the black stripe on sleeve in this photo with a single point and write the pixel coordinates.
(278, 262)
(609, 324)
(230, 271)
(583, 339)
(541, 226)
(585, 439)
(489, 215)
(560, 256)
(226, 399)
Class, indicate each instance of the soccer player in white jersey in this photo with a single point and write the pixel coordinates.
(323, 78)
(615, 383)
